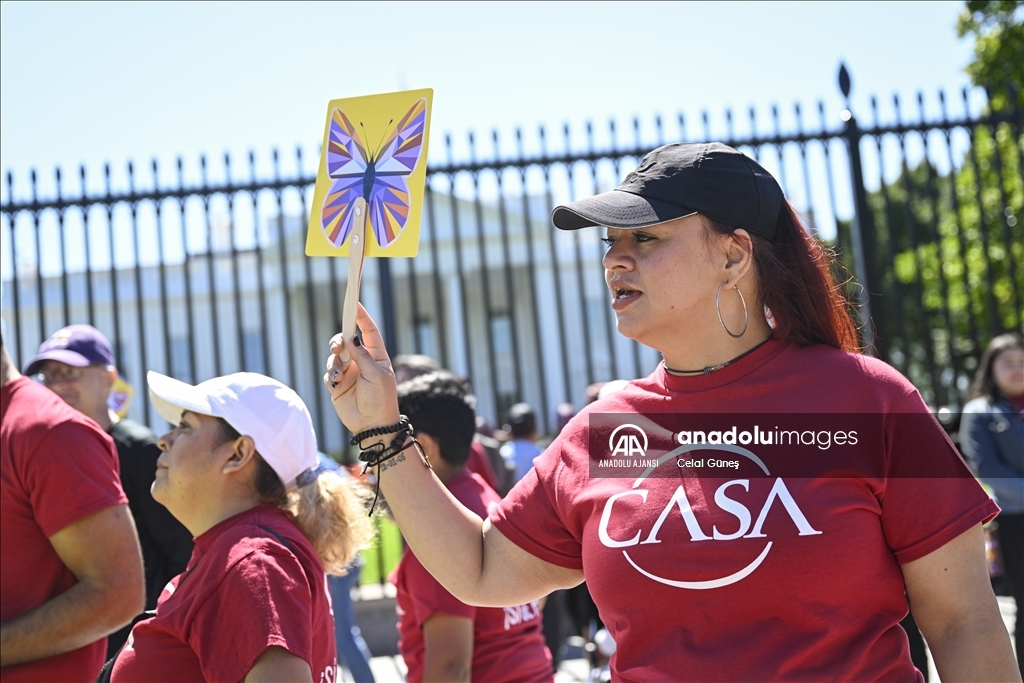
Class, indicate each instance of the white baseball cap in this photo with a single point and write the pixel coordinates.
(256, 406)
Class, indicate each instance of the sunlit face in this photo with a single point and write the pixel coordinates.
(662, 280)
(87, 389)
(191, 460)
(1008, 372)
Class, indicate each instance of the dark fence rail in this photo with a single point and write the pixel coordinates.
(197, 280)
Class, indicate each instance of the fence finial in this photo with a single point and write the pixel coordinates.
(844, 83)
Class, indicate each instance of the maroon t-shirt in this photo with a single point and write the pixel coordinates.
(480, 464)
(702, 574)
(254, 581)
(508, 643)
(56, 467)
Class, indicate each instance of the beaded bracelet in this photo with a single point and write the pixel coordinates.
(401, 426)
(378, 453)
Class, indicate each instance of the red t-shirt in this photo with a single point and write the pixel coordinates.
(508, 644)
(814, 591)
(254, 581)
(480, 464)
(56, 467)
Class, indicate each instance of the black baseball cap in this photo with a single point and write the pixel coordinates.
(680, 180)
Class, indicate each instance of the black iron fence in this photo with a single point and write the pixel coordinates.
(201, 279)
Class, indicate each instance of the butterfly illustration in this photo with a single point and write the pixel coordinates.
(378, 177)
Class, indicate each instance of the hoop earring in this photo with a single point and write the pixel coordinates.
(746, 315)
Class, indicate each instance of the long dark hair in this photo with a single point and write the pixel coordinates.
(984, 382)
(797, 285)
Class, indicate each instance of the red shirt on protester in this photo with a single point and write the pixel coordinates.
(479, 463)
(254, 581)
(508, 644)
(56, 467)
(815, 591)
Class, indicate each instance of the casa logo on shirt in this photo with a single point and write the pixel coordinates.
(749, 518)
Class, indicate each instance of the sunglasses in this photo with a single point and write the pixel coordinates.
(62, 375)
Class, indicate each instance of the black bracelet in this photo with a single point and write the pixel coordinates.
(401, 426)
(378, 452)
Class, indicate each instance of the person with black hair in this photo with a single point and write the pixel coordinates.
(992, 438)
(443, 638)
(780, 560)
(523, 448)
(483, 455)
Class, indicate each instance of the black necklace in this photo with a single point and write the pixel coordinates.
(708, 370)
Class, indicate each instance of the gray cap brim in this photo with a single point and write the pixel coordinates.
(616, 209)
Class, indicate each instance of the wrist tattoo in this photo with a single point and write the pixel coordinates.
(391, 462)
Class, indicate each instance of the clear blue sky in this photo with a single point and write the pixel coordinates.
(90, 83)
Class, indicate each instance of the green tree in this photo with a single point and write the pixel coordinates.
(951, 248)
(998, 32)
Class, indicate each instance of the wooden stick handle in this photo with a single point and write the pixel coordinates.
(356, 252)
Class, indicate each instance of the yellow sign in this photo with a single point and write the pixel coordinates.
(120, 397)
(375, 149)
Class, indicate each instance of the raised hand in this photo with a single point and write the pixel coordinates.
(362, 390)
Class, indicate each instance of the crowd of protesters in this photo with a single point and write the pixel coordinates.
(204, 552)
(213, 551)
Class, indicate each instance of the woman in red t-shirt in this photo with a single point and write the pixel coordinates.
(781, 532)
(240, 471)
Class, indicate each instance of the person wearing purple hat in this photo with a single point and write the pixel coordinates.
(77, 363)
(713, 549)
(70, 566)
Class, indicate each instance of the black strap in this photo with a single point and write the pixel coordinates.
(108, 667)
(279, 537)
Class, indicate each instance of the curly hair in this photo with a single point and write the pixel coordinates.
(441, 404)
(331, 511)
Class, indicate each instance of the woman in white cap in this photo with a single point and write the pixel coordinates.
(240, 471)
(716, 546)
